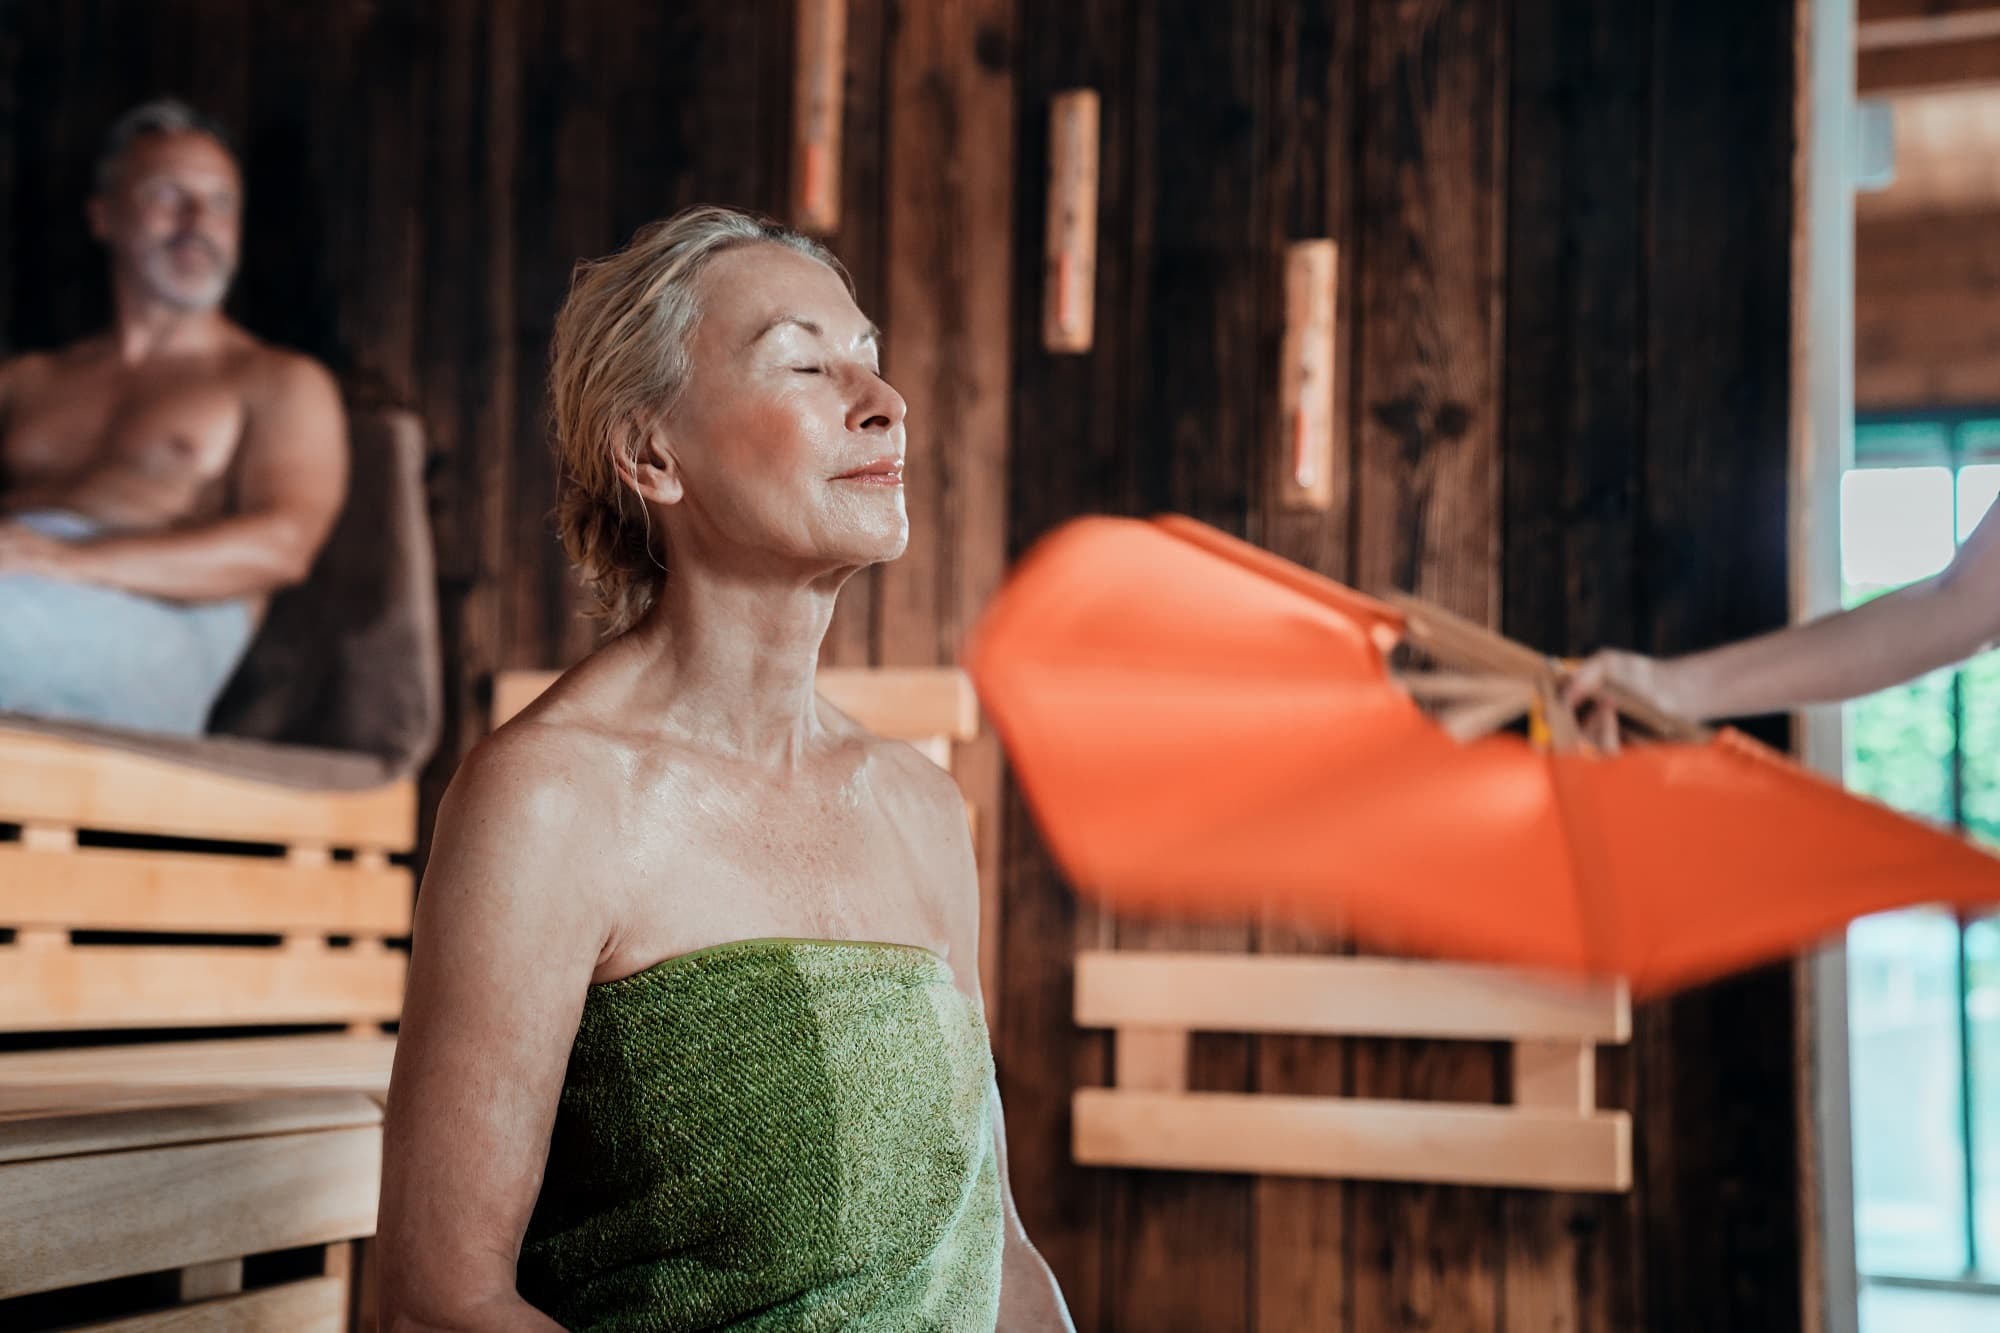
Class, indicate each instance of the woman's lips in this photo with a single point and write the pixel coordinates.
(881, 472)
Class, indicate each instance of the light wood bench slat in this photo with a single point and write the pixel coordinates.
(313, 1305)
(108, 889)
(1353, 1139)
(40, 1135)
(85, 1219)
(1378, 997)
(139, 986)
(52, 780)
(251, 1063)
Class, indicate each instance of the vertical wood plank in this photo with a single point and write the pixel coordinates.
(974, 494)
(200, 1282)
(468, 348)
(949, 177)
(1574, 447)
(569, 207)
(363, 1298)
(290, 163)
(1181, 1253)
(1434, 91)
(1432, 168)
(850, 639)
(1150, 1059)
(60, 288)
(340, 1259)
(13, 25)
(1556, 1075)
(736, 96)
(1073, 451)
(380, 258)
(1302, 1272)
(949, 181)
(1717, 1144)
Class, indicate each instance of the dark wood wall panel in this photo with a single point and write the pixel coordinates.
(572, 62)
(861, 244)
(1720, 1225)
(948, 185)
(11, 133)
(469, 374)
(1181, 1245)
(1308, 127)
(1574, 393)
(1563, 385)
(1082, 406)
(1434, 89)
(949, 175)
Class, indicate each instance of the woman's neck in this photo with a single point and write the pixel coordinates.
(729, 661)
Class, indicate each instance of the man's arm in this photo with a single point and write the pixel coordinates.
(289, 481)
(1896, 637)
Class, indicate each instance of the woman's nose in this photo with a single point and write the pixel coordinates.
(877, 407)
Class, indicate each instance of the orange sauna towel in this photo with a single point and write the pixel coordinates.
(1203, 729)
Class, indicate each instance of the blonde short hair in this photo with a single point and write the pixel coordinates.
(618, 360)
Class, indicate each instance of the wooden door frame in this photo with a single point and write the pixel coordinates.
(1822, 445)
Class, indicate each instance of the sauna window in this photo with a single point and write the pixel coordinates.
(1924, 986)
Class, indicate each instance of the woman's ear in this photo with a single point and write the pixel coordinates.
(652, 471)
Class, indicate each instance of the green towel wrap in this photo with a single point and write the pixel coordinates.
(776, 1135)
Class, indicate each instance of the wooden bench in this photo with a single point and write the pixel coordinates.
(307, 873)
(192, 1181)
(141, 893)
(1550, 1136)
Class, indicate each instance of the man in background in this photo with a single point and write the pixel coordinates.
(161, 479)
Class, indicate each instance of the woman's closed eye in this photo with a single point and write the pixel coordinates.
(810, 370)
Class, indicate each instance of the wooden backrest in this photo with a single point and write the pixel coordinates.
(349, 659)
(312, 869)
(1549, 1136)
(930, 707)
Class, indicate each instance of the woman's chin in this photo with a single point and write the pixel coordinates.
(875, 544)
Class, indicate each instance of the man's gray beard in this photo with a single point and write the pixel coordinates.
(155, 273)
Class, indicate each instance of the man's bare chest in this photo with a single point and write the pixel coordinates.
(184, 429)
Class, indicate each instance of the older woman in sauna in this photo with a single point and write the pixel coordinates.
(694, 1037)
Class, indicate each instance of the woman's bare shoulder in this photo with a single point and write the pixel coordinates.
(538, 772)
(533, 805)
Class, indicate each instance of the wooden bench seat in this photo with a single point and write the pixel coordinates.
(311, 1063)
(91, 1191)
